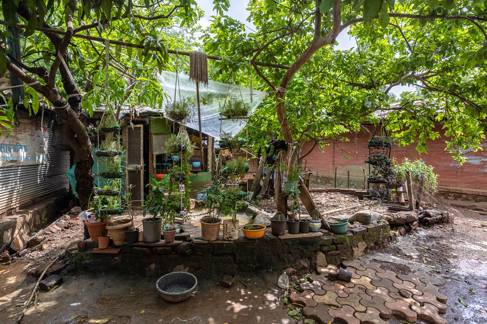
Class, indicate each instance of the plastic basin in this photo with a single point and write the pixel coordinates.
(339, 228)
(176, 287)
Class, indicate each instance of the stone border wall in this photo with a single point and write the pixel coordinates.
(229, 257)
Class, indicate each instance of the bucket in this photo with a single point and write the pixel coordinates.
(152, 229)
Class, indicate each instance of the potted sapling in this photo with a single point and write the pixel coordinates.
(278, 224)
(230, 200)
(210, 224)
(171, 208)
(291, 189)
(154, 205)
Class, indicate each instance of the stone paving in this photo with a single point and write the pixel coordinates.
(374, 295)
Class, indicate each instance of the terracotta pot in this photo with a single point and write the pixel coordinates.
(117, 233)
(210, 230)
(95, 230)
(103, 242)
(169, 236)
(256, 231)
(230, 229)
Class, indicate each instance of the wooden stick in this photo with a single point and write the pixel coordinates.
(34, 291)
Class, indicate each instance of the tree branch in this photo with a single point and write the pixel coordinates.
(61, 48)
(169, 14)
(433, 16)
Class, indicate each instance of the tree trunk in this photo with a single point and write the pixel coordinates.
(256, 186)
(279, 197)
(79, 143)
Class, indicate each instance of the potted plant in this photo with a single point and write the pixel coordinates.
(291, 189)
(103, 242)
(178, 110)
(254, 231)
(210, 224)
(177, 144)
(303, 225)
(97, 227)
(235, 169)
(234, 108)
(315, 224)
(132, 233)
(154, 205)
(228, 205)
(171, 208)
(278, 224)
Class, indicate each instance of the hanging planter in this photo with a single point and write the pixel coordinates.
(233, 108)
(178, 111)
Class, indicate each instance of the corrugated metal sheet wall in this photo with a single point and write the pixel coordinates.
(21, 183)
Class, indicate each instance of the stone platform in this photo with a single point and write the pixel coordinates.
(270, 253)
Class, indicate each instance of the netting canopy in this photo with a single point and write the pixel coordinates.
(212, 97)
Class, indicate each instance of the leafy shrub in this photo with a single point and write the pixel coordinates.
(419, 170)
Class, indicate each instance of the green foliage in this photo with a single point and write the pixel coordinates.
(419, 171)
(226, 200)
(178, 110)
(179, 144)
(336, 91)
(235, 169)
(234, 108)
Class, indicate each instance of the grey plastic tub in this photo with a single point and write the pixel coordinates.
(176, 287)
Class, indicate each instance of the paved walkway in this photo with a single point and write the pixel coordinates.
(374, 295)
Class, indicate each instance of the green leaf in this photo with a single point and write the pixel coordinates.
(371, 9)
(325, 6)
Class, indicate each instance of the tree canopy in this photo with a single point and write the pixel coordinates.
(440, 47)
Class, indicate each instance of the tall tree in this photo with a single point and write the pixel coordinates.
(106, 51)
(438, 46)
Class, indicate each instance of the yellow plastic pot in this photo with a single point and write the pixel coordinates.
(254, 231)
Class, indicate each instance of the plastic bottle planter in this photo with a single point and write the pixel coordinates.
(230, 229)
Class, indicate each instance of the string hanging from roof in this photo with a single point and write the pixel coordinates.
(198, 67)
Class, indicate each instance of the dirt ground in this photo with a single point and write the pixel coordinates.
(453, 256)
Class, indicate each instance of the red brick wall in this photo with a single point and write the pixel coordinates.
(350, 154)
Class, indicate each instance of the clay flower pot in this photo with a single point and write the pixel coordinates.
(95, 230)
(103, 242)
(117, 233)
(210, 228)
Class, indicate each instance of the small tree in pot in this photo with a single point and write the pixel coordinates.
(154, 205)
(210, 225)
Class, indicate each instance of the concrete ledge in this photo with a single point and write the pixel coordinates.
(228, 257)
(16, 229)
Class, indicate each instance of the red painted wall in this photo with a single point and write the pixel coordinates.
(350, 153)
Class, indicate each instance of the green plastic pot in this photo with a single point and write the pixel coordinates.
(339, 227)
